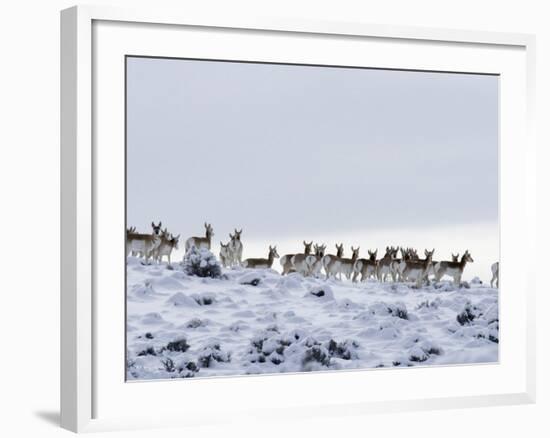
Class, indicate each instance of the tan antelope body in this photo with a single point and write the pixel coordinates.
(143, 244)
(286, 260)
(345, 265)
(494, 269)
(365, 267)
(167, 244)
(417, 270)
(384, 267)
(398, 265)
(453, 269)
(411, 254)
(201, 242)
(331, 262)
(298, 261)
(226, 256)
(156, 230)
(315, 261)
(262, 263)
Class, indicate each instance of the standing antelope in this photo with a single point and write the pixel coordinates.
(365, 267)
(298, 261)
(226, 255)
(143, 244)
(286, 260)
(385, 263)
(345, 266)
(262, 263)
(200, 242)
(331, 262)
(156, 228)
(453, 269)
(168, 243)
(494, 269)
(315, 262)
(418, 269)
(236, 247)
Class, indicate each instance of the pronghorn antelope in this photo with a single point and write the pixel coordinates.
(298, 261)
(412, 255)
(395, 263)
(143, 244)
(157, 228)
(365, 267)
(418, 269)
(315, 261)
(385, 263)
(331, 262)
(345, 266)
(168, 243)
(201, 242)
(236, 247)
(453, 269)
(226, 255)
(286, 260)
(262, 263)
(494, 269)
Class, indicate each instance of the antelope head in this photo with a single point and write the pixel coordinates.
(237, 235)
(209, 230)
(273, 251)
(320, 250)
(355, 252)
(467, 257)
(307, 247)
(372, 254)
(339, 250)
(429, 254)
(156, 228)
(455, 257)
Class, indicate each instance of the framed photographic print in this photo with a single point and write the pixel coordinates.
(252, 207)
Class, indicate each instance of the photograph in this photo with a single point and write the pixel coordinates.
(288, 218)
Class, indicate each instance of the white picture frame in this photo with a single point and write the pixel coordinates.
(92, 394)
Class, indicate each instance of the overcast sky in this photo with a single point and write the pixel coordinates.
(288, 151)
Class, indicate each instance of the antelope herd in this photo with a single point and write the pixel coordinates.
(409, 267)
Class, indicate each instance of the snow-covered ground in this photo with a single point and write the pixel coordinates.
(256, 321)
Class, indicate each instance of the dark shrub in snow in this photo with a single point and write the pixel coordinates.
(315, 354)
(213, 353)
(399, 310)
(195, 323)
(467, 315)
(344, 350)
(202, 263)
(168, 365)
(325, 293)
(148, 351)
(204, 299)
(428, 305)
(148, 335)
(178, 345)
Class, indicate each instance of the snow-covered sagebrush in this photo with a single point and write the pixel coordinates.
(197, 321)
(202, 263)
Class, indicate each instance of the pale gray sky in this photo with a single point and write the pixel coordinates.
(288, 151)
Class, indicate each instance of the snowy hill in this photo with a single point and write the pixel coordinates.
(256, 321)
